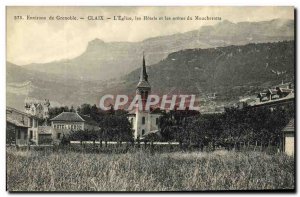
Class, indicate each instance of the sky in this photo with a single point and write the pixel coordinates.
(41, 41)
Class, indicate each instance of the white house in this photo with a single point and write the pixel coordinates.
(289, 138)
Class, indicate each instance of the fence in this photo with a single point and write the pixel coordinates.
(157, 147)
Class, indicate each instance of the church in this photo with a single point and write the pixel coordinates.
(144, 121)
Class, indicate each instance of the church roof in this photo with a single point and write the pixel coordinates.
(155, 110)
(68, 116)
(143, 83)
(144, 75)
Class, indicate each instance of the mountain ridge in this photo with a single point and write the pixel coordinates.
(108, 60)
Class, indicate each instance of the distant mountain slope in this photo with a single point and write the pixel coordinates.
(22, 83)
(230, 72)
(102, 61)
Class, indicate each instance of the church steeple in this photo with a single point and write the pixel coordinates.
(144, 75)
(143, 82)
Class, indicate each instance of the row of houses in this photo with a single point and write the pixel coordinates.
(279, 92)
(25, 128)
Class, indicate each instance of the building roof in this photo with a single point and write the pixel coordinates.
(262, 94)
(290, 127)
(15, 122)
(289, 98)
(272, 91)
(68, 116)
(10, 109)
(285, 90)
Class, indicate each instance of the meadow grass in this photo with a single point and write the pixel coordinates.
(142, 171)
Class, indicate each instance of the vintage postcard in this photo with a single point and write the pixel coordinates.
(150, 99)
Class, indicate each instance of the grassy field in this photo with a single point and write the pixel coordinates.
(141, 171)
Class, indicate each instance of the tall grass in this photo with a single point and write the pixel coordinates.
(141, 171)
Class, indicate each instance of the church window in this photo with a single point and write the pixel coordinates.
(58, 135)
(143, 132)
(156, 121)
(143, 120)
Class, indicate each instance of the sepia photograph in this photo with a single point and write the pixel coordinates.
(150, 99)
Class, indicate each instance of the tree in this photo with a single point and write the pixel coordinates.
(116, 127)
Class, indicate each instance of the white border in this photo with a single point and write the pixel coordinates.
(4, 3)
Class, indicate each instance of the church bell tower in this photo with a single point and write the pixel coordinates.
(142, 115)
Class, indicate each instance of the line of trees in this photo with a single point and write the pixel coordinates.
(259, 126)
(255, 126)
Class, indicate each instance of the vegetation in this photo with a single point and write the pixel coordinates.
(252, 126)
(259, 126)
(140, 171)
(230, 71)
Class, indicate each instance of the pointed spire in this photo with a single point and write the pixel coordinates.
(143, 82)
(144, 75)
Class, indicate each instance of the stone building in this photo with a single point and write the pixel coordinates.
(144, 121)
(21, 127)
(65, 122)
